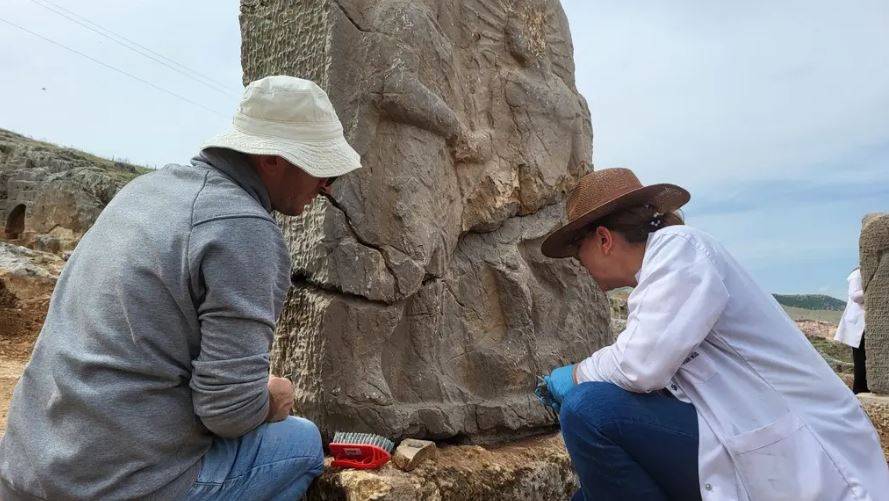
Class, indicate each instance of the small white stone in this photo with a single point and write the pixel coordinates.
(411, 452)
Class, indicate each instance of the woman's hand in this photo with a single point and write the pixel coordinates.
(559, 383)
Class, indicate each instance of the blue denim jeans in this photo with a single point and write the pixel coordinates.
(275, 461)
(630, 446)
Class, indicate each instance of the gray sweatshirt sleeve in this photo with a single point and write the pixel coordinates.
(240, 272)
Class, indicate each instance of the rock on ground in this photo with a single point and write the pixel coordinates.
(27, 279)
(877, 408)
(26, 274)
(533, 469)
(817, 328)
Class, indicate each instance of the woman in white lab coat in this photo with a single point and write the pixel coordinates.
(711, 390)
(851, 331)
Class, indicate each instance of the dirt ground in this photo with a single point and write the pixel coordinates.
(19, 326)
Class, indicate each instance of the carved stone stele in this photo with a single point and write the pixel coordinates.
(874, 250)
(422, 305)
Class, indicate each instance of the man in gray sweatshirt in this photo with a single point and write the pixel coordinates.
(150, 378)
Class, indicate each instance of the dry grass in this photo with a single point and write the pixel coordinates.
(820, 315)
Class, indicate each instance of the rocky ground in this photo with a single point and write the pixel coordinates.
(533, 469)
(536, 469)
(27, 278)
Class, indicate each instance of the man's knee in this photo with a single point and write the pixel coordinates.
(302, 438)
(589, 405)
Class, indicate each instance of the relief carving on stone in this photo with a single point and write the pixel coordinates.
(421, 303)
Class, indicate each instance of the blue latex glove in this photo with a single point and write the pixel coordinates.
(560, 381)
(552, 389)
(544, 396)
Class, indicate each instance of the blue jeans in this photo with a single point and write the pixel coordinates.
(275, 461)
(630, 446)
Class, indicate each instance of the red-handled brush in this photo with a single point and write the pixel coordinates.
(364, 451)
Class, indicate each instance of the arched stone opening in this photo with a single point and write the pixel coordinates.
(15, 222)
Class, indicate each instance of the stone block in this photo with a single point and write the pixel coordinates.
(27, 275)
(877, 408)
(874, 255)
(536, 469)
(411, 452)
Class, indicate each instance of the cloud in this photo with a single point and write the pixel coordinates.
(725, 90)
(775, 195)
(771, 114)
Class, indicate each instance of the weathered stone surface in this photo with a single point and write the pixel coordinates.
(26, 275)
(535, 469)
(459, 357)
(874, 254)
(877, 408)
(50, 196)
(619, 312)
(27, 279)
(422, 306)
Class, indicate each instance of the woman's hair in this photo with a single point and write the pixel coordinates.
(636, 222)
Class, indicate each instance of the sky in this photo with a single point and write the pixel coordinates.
(772, 114)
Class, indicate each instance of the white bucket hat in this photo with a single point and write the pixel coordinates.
(291, 118)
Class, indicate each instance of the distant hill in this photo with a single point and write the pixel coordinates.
(811, 301)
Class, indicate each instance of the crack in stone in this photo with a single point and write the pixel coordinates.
(354, 233)
(298, 279)
(351, 20)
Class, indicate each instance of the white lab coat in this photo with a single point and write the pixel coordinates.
(774, 421)
(851, 326)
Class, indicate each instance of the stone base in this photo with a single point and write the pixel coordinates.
(877, 408)
(534, 469)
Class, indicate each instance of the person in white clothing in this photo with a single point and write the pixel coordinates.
(711, 391)
(851, 331)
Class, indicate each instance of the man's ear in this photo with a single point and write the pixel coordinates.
(269, 165)
(280, 163)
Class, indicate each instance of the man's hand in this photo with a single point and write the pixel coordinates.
(280, 398)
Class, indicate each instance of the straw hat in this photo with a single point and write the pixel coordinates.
(602, 192)
(291, 118)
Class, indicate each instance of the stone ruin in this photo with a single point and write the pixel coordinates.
(421, 305)
(874, 255)
(50, 196)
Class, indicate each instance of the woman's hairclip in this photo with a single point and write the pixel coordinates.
(656, 220)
